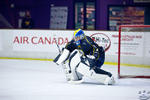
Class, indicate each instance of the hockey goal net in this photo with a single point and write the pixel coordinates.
(134, 51)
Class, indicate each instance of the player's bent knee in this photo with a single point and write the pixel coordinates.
(74, 61)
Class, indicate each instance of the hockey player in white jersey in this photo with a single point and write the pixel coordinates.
(83, 57)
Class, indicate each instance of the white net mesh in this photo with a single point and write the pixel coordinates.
(134, 55)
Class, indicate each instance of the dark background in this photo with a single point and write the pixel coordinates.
(40, 11)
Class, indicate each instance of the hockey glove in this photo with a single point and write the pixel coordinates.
(92, 61)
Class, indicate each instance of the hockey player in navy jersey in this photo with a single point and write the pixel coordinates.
(85, 59)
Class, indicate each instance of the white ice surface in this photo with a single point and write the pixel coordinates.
(44, 80)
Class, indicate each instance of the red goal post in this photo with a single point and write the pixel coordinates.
(130, 42)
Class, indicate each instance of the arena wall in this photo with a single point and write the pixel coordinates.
(41, 44)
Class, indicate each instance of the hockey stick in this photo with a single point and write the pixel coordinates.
(55, 60)
(58, 46)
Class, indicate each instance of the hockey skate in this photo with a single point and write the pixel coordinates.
(109, 81)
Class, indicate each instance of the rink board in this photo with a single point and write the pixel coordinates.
(41, 45)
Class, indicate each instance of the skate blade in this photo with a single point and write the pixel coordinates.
(75, 82)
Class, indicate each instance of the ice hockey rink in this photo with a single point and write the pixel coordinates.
(44, 80)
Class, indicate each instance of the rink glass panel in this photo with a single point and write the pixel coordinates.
(79, 15)
(90, 15)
